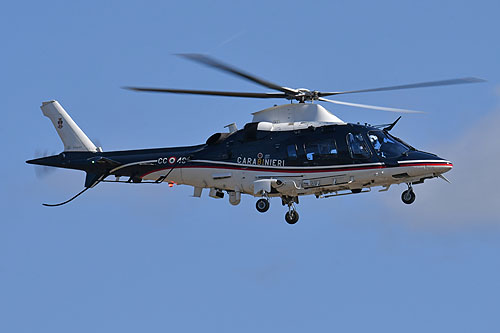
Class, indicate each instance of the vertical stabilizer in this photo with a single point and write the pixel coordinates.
(71, 135)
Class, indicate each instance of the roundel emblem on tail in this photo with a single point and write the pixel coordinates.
(60, 123)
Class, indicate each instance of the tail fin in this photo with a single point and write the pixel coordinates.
(71, 135)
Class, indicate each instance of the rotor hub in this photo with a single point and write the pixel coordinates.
(302, 95)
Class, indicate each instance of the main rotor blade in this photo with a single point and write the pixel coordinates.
(210, 92)
(380, 108)
(208, 61)
(409, 86)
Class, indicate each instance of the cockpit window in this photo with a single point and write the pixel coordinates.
(324, 149)
(357, 146)
(385, 145)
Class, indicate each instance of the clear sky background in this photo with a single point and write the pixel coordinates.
(146, 258)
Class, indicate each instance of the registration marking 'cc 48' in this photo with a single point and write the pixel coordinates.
(172, 160)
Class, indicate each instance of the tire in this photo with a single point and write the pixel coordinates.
(408, 197)
(291, 217)
(262, 205)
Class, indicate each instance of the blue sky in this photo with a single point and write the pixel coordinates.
(134, 258)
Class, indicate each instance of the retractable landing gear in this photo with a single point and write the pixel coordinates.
(408, 196)
(291, 217)
(262, 205)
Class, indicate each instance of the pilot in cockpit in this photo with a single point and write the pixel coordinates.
(377, 145)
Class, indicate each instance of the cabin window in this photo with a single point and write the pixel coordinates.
(357, 146)
(292, 151)
(321, 149)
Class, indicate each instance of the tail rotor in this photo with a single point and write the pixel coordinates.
(42, 171)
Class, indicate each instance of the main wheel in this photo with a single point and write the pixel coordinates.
(408, 197)
(291, 217)
(262, 205)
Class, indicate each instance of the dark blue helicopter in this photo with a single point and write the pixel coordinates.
(286, 151)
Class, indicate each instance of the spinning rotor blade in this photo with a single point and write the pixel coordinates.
(301, 95)
(409, 86)
(372, 107)
(42, 171)
(210, 92)
(203, 59)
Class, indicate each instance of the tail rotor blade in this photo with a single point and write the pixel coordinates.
(42, 171)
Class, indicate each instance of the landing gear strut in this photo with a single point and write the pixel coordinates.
(262, 205)
(291, 217)
(408, 196)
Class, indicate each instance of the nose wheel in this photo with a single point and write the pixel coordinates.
(408, 196)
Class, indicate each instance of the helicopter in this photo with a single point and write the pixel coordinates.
(285, 152)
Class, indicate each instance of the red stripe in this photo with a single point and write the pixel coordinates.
(299, 170)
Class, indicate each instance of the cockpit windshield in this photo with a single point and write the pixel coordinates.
(385, 145)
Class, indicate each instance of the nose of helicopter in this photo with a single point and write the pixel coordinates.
(426, 163)
(440, 166)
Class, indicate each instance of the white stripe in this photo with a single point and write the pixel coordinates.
(130, 164)
(423, 161)
(284, 167)
(289, 167)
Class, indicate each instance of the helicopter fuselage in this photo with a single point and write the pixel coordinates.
(323, 161)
